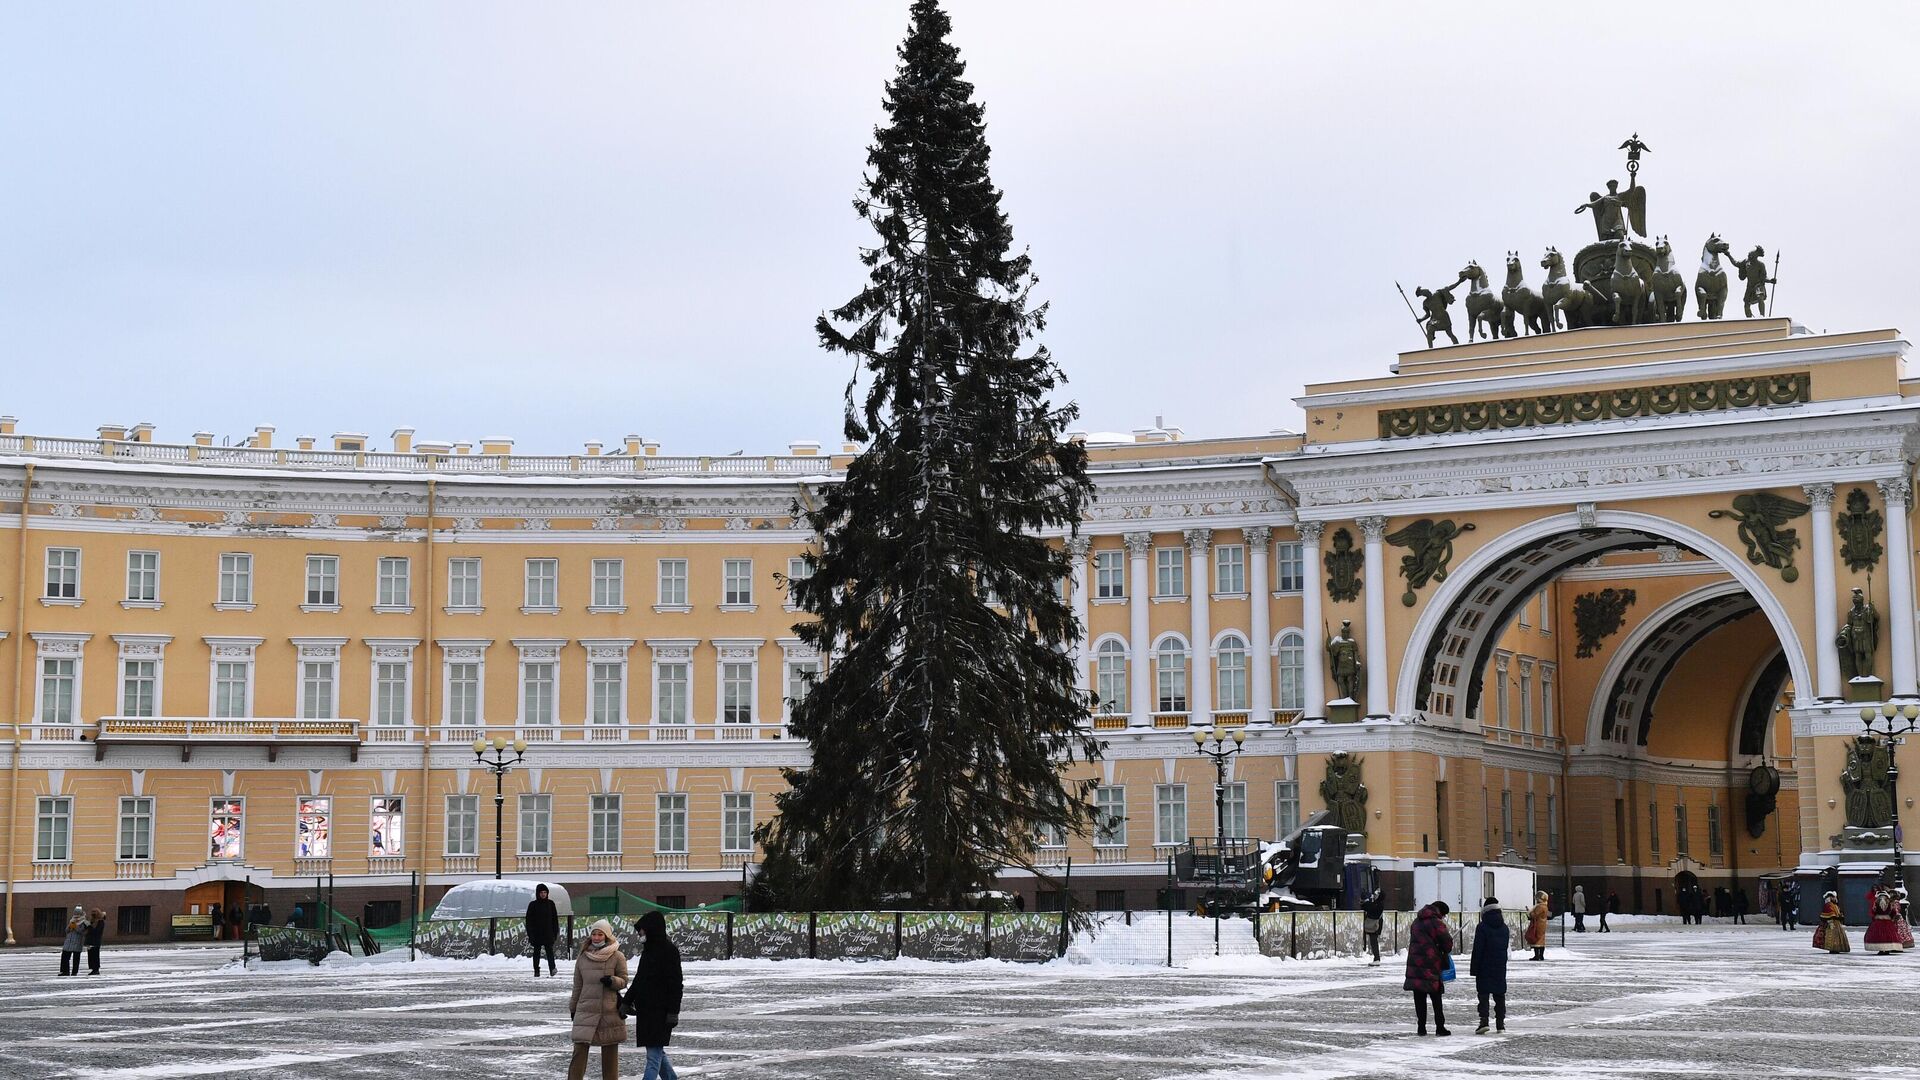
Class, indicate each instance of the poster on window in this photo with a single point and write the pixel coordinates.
(224, 829)
(389, 827)
(313, 833)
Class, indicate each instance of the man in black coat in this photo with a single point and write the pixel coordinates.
(543, 929)
(96, 933)
(653, 998)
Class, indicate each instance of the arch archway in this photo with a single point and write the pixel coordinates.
(1645, 656)
(1453, 638)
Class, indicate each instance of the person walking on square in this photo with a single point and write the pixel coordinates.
(543, 929)
(75, 940)
(599, 976)
(1740, 906)
(1611, 907)
(1373, 920)
(1900, 922)
(1579, 909)
(1429, 951)
(1488, 965)
(1831, 934)
(1883, 936)
(654, 999)
(96, 933)
(1537, 927)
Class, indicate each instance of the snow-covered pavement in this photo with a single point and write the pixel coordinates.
(1644, 1002)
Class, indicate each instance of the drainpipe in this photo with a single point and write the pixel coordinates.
(19, 692)
(426, 718)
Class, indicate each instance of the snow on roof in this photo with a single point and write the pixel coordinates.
(498, 898)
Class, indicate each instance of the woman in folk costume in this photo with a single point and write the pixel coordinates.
(1537, 927)
(1900, 923)
(1831, 934)
(1882, 911)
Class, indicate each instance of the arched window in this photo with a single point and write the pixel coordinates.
(1171, 665)
(1293, 672)
(1231, 684)
(1110, 682)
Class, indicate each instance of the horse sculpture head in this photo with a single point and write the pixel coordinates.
(1711, 251)
(1472, 273)
(1553, 261)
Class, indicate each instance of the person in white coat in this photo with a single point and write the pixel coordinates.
(1579, 909)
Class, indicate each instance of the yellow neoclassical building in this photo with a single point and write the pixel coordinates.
(1591, 584)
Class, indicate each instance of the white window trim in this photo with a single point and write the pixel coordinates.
(1185, 810)
(686, 823)
(788, 603)
(619, 822)
(316, 651)
(752, 591)
(53, 646)
(536, 651)
(752, 810)
(1279, 546)
(294, 850)
(388, 651)
(234, 605)
(593, 582)
(155, 604)
(306, 572)
(737, 651)
(520, 824)
(230, 650)
(526, 582)
(119, 827)
(399, 797)
(479, 586)
(1185, 568)
(141, 648)
(609, 651)
(1119, 841)
(206, 838)
(463, 651)
(79, 578)
(1217, 565)
(446, 819)
(671, 651)
(660, 606)
(391, 609)
(68, 857)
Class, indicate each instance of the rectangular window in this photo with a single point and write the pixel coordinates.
(1526, 697)
(1546, 701)
(387, 833)
(226, 825)
(143, 576)
(463, 584)
(736, 821)
(609, 583)
(136, 829)
(737, 582)
(1653, 827)
(1230, 569)
(609, 692)
(390, 693)
(536, 824)
(797, 570)
(1533, 835)
(395, 583)
(670, 702)
(1110, 678)
(1500, 691)
(736, 693)
(230, 678)
(53, 831)
(1110, 816)
(1290, 567)
(1233, 810)
(236, 579)
(603, 831)
(1546, 611)
(1506, 821)
(1170, 571)
(316, 689)
(313, 829)
(1051, 836)
(1109, 575)
(1680, 839)
(1169, 814)
(1286, 808)
(673, 583)
(323, 580)
(139, 685)
(134, 920)
(543, 584)
(537, 693)
(1170, 667)
(1553, 826)
(463, 694)
(1715, 846)
(63, 574)
(463, 824)
(800, 677)
(671, 833)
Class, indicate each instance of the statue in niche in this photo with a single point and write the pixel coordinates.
(1343, 568)
(1869, 795)
(1762, 516)
(1343, 662)
(1859, 526)
(1859, 638)
(1345, 795)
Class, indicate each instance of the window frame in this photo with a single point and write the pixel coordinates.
(1169, 801)
(1109, 575)
(1172, 683)
(140, 817)
(394, 813)
(1110, 672)
(736, 572)
(464, 595)
(1229, 570)
(536, 824)
(605, 821)
(1232, 687)
(539, 674)
(461, 810)
(217, 810)
(1110, 828)
(321, 582)
(671, 577)
(233, 587)
(393, 584)
(608, 586)
(1289, 567)
(58, 589)
(313, 827)
(1286, 808)
(670, 823)
(1170, 573)
(735, 840)
(150, 675)
(1290, 663)
(149, 576)
(50, 811)
(541, 587)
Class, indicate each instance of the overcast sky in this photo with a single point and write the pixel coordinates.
(572, 221)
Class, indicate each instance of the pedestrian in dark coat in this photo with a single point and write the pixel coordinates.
(75, 941)
(543, 929)
(1373, 920)
(1429, 950)
(654, 999)
(96, 933)
(1740, 906)
(1612, 908)
(1488, 965)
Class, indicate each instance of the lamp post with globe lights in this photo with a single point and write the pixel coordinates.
(1221, 746)
(1889, 725)
(499, 764)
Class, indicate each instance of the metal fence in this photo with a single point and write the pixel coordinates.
(1314, 935)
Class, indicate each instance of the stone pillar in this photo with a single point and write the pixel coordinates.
(1896, 491)
(1140, 668)
(1826, 613)
(1199, 592)
(1375, 587)
(1313, 682)
(1259, 651)
(1077, 550)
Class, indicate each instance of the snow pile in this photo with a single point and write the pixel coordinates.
(1145, 941)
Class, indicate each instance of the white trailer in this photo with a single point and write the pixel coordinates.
(1465, 886)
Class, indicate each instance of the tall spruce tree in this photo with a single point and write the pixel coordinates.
(945, 721)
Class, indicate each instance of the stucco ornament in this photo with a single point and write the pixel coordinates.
(1869, 795)
(1430, 549)
(1859, 638)
(1859, 527)
(1343, 568)
(1597, 616)
(1762, 516)
(1344, 663)
(1345, 795)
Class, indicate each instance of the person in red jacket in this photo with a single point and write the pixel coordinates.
(1429, 951)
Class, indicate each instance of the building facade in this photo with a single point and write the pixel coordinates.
(1586, 611)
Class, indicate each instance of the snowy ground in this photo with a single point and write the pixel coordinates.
(1649, 1001)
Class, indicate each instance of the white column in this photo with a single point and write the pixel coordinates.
(1260, 650)
(1375, 531)
(1900, 584)
(1077, 549)
(1826, 614)
(1313, 682)
(1199, 593)
(1140, 667)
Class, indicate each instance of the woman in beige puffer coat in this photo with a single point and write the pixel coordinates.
(599, 977)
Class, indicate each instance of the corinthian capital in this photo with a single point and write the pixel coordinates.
(1198, 541)
(1373, 528)
(1139, 544)
(1895, 489)
(1257, 537)
(1310, 531)
(1078, 546)
(1820, 495)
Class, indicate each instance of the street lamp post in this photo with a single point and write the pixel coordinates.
(498, 765)
(1890, 723)
(1220, 746)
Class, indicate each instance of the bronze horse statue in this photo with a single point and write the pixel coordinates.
(1710, 284)
(1625, 285)
(1667, 291)
(1583, 304)
(1522, 301)
(1482, 305)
